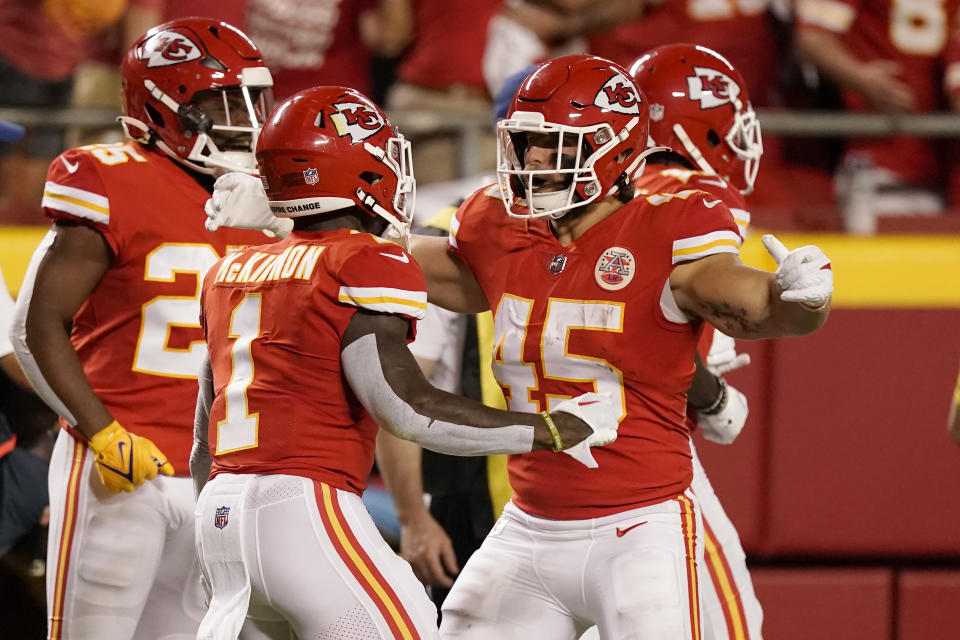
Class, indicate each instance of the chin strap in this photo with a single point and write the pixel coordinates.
(370, 204)
(692, 149)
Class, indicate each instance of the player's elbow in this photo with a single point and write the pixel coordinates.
(806, 322)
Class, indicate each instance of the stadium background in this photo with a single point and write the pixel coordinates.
(844, 485)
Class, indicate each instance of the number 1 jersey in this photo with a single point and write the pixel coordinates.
(274, 318)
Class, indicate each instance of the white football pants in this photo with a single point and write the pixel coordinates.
(281, 548)
(731, 610)
(120, 566)
(633, 574)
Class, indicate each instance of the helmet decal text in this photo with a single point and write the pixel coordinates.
(168, 47)
(711, 88)
(619, 94)
(356, 120)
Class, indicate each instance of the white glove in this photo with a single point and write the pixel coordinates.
(597, 410)
(239, 201)
(723, 356)
(725, 425)
(804, 274)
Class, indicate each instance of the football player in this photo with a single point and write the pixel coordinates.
(596, 289)
(593, 288)
(107, 329)
(701, 111)
(307, 354)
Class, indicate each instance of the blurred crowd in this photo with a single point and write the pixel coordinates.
(888, 56)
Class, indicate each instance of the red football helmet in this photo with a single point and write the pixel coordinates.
(700, 108)
(329, 148)
(587, 106)
(199, 89)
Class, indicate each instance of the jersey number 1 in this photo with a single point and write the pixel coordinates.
(238, 429)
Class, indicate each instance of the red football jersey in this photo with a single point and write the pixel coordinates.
(138, 334)
(274, 318)
(739, 30)
(914, 34)
(592, 316)
(664, 179)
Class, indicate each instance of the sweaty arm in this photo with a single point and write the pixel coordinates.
(450, 284)
(386, 379)
(200, 459)
(749, 303)
(69, 265)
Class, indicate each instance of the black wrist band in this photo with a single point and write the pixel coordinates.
(718, 403)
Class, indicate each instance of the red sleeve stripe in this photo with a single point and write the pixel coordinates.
(688, 523)
(726, 588)
(67, 532)
(361, 566)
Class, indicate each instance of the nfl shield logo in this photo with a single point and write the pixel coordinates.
(220, 519)
(310, 176)
(558, 263)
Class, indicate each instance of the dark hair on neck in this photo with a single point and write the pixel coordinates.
(625, 190)
(671, 159)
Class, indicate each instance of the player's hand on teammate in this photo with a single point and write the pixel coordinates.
(125, 460)
(723, 356)
(725, 424)
(239, 201)
(589, 420)
(804, 274)
(428, 549)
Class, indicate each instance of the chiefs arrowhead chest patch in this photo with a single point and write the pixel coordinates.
(615, 268)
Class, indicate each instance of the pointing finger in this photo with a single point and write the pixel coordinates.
(774, 247)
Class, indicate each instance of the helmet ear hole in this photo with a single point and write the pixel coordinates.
(713, 138)
(155, 116)
(371, 177)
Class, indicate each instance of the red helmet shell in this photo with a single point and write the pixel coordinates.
(591, 97)
(177, 60)
(699, 107)
(329, 148)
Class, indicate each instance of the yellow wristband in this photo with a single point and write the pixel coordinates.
(557, 441)
(956, 392)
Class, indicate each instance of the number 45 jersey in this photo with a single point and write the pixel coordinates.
(138, 333)
(596, 315)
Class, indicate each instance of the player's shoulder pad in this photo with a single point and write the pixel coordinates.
(701, 225)
(494, 191)
(382, 276)
(477, 205)
(75, 188)
(372, 250)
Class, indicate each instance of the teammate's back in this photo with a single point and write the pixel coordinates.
(274, 317)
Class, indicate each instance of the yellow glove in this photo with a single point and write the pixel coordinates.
(124, 460)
